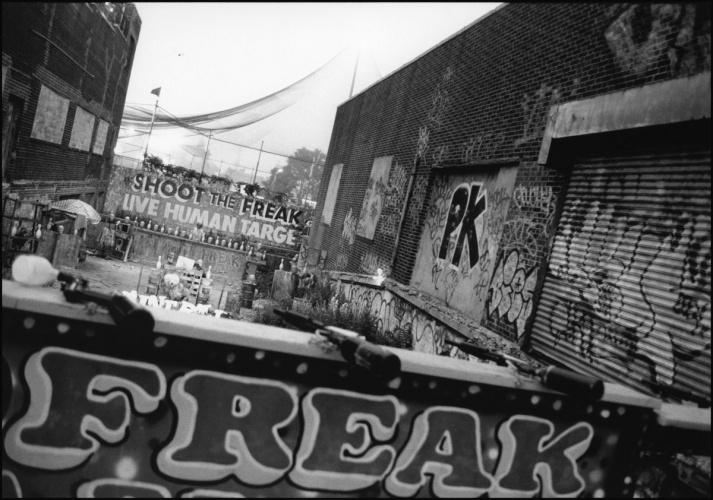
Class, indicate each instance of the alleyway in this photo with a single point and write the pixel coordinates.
(109, 275)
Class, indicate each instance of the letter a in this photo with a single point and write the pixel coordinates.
(445, 445)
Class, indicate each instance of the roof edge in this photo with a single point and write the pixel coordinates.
(445, 40)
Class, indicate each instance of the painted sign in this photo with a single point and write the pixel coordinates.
(94, 412)
(185, 204)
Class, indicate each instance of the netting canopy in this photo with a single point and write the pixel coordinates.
(227, 142)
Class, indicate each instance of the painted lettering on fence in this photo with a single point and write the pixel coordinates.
(229, 427)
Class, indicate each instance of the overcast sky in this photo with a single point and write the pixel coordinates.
(213, 56)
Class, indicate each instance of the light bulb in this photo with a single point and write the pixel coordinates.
(33, 270)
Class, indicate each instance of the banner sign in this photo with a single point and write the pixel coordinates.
(209, 407)
(172, 203)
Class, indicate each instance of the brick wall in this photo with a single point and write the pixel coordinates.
(484, 96)
(75, 51)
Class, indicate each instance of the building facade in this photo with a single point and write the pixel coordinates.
(545, 172)
(65, 74)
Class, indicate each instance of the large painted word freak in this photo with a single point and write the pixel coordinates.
(231, 426)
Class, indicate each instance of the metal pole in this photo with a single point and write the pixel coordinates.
(258, 162)
(141, 271)
(220, 169)
(354, 77)
(146, 151)
(206, 153)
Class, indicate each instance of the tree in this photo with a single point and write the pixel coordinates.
(300, 176)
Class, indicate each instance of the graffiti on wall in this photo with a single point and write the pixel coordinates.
(440, 99)
(394, 199)
(403, 321)
(418, 200)
(373, 202)
(536, 109)
(440, 102)
(636, 279)
(512, 288)
(642, 36)
(464, 224)
(482, 146)
(349, 229)
(371, 262)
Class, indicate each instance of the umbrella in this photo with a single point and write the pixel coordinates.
(77, 207)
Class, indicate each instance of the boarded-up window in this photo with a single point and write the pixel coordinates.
(82, 130)
(331, 198)
(100, 141)
(373, 198)
(50, 117)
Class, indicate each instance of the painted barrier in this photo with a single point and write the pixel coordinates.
(208, 407)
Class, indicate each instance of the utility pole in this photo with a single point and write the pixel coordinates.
(146, 151)
(258, 162)
(206, 153)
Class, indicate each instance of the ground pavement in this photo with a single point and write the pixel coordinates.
(110, 275)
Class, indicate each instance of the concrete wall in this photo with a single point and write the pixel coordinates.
(406, 313)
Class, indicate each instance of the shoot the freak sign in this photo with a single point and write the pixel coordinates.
(208, 407)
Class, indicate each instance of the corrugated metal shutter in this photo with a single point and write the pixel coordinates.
(627, 295)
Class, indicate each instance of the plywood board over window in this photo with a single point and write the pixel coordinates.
(373, 198)
(82, 129)
(50, 117)
(332, 189)
(100, 141)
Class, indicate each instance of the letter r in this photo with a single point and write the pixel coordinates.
(229, 425)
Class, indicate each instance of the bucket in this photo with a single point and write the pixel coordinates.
(248, 294)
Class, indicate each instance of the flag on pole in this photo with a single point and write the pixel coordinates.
(156, 92)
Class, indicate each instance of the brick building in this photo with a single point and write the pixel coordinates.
(65, 74)
(545, 173)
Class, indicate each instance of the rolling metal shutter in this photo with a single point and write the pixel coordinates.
(627, 295)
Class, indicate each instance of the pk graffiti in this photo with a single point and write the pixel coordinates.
(467, 205)
(230, 426)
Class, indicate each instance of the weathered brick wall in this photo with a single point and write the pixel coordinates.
(483, 96)
(75, 52)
